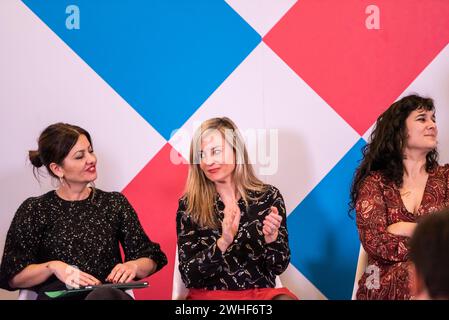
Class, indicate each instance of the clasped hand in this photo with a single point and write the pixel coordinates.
(230, 226)
(271, 225)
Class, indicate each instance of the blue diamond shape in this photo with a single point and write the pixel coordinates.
(323, 238)
(164, 57)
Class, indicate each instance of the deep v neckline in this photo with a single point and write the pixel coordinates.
(422, 197)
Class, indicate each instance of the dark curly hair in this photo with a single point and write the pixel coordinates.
(384, 151)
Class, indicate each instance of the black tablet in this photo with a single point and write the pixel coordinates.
(130, 285)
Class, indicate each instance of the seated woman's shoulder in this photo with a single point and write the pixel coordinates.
(111, 194)
(181, 212)
(108, 197)
(441, 170)
(182, 203)
(270, 188)
(375, 176)
(267, 190)
(444, 168)
(33, 206)
(31, 201)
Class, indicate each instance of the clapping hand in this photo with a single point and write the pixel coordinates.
(229, 226)
(271, 225)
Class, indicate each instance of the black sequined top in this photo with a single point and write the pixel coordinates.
(83, 233)
(248, 262)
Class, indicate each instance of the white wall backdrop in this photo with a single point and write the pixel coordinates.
(46, 76)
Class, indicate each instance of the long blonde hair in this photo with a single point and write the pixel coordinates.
(200, 192)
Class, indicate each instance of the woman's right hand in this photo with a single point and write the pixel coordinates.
(229, 226)
(71, 276)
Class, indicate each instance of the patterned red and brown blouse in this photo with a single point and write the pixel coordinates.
(379, 205)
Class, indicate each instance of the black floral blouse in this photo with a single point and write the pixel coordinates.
(84, 233)
(248, 262)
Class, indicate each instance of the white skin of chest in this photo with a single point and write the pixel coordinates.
(412, 191)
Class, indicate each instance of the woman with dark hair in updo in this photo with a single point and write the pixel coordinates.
(398, 181)
(70, 237)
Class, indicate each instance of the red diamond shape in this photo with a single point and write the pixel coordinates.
(154, 194)
(359, 72)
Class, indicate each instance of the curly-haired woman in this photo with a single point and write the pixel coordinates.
(398, 181)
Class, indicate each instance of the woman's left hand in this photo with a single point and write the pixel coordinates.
(271, 225)
(122, 273)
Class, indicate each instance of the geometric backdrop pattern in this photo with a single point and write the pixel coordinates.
(140, 76)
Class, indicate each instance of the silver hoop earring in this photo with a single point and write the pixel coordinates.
(61, 180)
